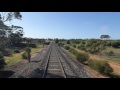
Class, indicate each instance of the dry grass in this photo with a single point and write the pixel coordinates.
(115, 50)
(14, 58)
(18, 56)
(115, 65)
(93, 72)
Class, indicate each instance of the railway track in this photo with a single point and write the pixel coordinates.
(54, 67)
(59, 64)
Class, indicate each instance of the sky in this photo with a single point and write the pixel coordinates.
(69, 25)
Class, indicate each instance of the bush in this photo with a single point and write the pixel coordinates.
(1, 55)
(83, 42)
(25, 55)
(47, 43)
(67, 47)
(82, 57)
(56, 40)
(94, 50)
(7, 52)
(94, 45)
(110, 53)
(74, 45)
(81, 46)
(68, 41)
(108, 43)
(2, 47)
(2, 63)
(32, 45)
(115, 44)
(101, 66)
(91, 50)
(78, 46)
(16, 51)
(77, 42)
(61, 44)
(74, 52)
(27, 49)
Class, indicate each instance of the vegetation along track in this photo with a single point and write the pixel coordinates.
(58, 64)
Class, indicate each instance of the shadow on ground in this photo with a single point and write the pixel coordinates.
(35, 61)
(37, 73)
(6, 74)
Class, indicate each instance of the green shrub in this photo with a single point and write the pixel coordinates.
(16, 51)
(108, 43)
(91, 50)
(78, 46)
(83, 42)
(2, 47)
(91, 63)
(61, 44)
(108, 70)
(82, 57)
(74, 52)
(68, 41)
(115, 44)
(101, 66)
(56, 40)
(94, 50)
(110, 53)
(81, 47)
(77, 42)
(8, 52)
(1, 55)
(67, 47)
(74, 45)
(2, 63)
(27, 49)
(94, 45)
(47, 43)
(32, 45)
(25, 55)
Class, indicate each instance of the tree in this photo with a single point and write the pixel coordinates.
(104, 36)
(2, 63)
(68, 41)
(56, 40)
(15, 39)
(7, 17)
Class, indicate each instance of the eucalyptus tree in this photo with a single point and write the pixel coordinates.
(7, 31)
